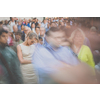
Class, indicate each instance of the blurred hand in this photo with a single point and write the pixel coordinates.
(68, 74)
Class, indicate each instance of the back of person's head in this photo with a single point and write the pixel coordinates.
(31, 35)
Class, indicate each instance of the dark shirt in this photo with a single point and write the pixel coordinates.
(14, 65)
(23, 36)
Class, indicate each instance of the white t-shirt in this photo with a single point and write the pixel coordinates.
(12, 24)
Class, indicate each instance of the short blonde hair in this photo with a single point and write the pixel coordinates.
(74, 33)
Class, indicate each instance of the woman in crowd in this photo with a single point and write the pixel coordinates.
(33, 27)
(25, 52)
(22, 27)
(82, 51)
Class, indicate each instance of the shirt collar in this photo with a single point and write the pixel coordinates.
(46, 44)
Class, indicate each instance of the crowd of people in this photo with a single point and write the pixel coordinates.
(55, 50)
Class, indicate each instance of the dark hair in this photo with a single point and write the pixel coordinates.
(10, 18)
(40, 38)
(31, 24)
(1, 22)
(52, 29)
(2, 30)
(37, 27)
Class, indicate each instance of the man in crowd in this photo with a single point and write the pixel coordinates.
(37, 30)
(9, 61)
(42, 33)
(26, 31)
(15, 29)
(35, 21)
(19, 25)
(26, 23)
(23, 34)
(12, 23)
(48, 27)
(17, 40)
(52, 54)
(44, 24)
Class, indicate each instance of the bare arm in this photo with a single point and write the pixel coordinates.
(19, 53)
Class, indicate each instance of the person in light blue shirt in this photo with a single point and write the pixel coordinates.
(51, 54)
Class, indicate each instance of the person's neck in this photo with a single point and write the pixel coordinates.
(26, 44)
(3, 45)
(76, 48)
(17, 40)
(37, 33)
(53, 47)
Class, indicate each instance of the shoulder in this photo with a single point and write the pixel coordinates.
(11, 51)
(86, 48)
(19, 46)
(41, 50)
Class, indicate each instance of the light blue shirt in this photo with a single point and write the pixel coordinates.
(45, 58)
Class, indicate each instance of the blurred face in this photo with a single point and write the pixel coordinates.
(36, 20)
(33, 25)
(19, 23)
(45, 21)
(17, 37)
(41, 41)
(56, 38)
(6, 22)
(31, 41)
(42, 31)
(12, 19)
(25, 30)
(53, 25)
(22, 27)
(26, 22)
(15, 29)
(3, 39)
(78, 39)
(37, 30)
